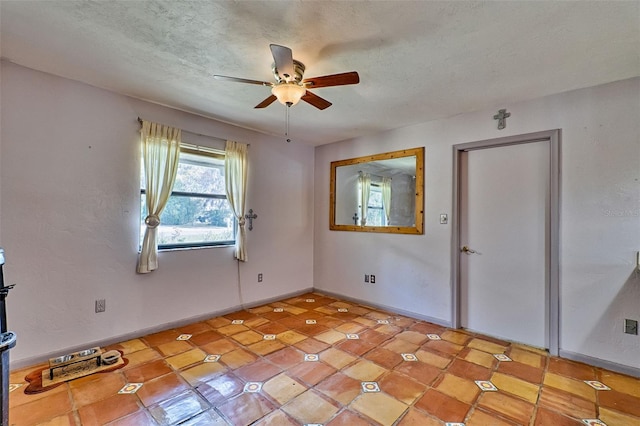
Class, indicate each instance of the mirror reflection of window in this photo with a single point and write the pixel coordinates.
(375, 212)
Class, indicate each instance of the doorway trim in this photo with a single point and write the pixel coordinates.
(552, 284)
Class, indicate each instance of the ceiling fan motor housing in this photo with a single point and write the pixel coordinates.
(298, 70)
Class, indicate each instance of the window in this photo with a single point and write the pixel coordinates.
(375, 210)
(197, 213)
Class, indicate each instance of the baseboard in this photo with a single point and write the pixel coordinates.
(27, 362)
(393, 309)
(597, 362)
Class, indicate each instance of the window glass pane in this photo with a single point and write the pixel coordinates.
(193, 220)
(200, 174)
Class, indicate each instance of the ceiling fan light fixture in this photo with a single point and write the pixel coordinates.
(288, 93)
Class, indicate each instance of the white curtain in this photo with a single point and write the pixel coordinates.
(386, 197)
(235, 174)
(365, 187)
(160, 152)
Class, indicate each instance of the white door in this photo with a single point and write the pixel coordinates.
(504, 218)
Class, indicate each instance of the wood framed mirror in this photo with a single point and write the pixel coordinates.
(378, 193)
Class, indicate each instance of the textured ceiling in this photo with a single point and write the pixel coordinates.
(417, 61)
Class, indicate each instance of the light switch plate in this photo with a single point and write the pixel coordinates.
(444, 219)
(631, 326)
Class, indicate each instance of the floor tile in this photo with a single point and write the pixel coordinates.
(195, 328)
(415, 417)
(87, 392)
(162, 388)
(247, 337)
(160, 338)
(348, 418)
(380, 407)
(619, 401)
(202, 373)
(139, 418)
(576, 387)
(286, 357)
(257, 371)
(185, 359)
(283, 388)
(478, 357)
(311, 346)
(290, 337)
(265, 347)
(365, 371)
(141, 357)
(482, 418)
(336, 358)
(469, 370)
(340, 388)
(400, 346)
(461, 389)
(237, 358)
(220, 389)
(401, 387)
(147, 371)
(457, 337)
(275, 418)
(423, 373)
(174, 347)
(514, 386)
(310, 407)
(178, 408)
(613, 418)
(486, 346)
(620, 382)
(129, 346)
(246, 408)
(566, 403)
(432, 358)
(545, 417)
(311, 373)
(208, 418)
(443, 346)
(330, 337)
(516, 409)
(521, 371)
(442, 406)
(40, 410)
(412, 337)
(529, 358)
(357, 347)
(384, 357)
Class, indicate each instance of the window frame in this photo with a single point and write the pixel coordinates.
(186, 148)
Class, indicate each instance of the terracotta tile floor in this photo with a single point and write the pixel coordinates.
(364, 367)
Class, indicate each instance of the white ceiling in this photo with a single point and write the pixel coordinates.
(418, 60)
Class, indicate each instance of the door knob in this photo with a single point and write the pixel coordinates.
(467, 250)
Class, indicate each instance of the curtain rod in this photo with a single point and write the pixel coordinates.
(197, 134)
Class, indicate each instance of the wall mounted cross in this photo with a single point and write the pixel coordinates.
(250, 218)
(502, 116)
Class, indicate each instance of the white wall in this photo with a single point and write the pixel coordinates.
(70, 206)
(600, 217)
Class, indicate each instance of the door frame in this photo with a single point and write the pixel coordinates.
(552, 284)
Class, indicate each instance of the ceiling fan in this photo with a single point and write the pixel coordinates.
(290, 86)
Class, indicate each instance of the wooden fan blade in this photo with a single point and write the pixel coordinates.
(333, 80)
(283, 57)
(316, 100)
(241, 80)
(266, 102)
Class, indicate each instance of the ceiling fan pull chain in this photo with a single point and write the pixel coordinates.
(286, 120)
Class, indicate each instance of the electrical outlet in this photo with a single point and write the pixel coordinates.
(631, 326)
(259, 278)
(373, 279)
(366, 278)
(101, 305)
